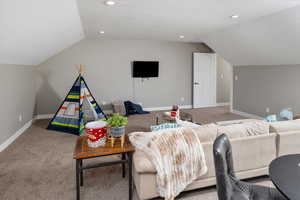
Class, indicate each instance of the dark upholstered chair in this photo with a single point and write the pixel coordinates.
(228, 186)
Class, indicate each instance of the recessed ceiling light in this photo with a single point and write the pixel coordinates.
(234, 16)
(181, 36)
(101, 32)
(110, 3)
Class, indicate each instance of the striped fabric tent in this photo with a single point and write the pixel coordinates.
(75, 110)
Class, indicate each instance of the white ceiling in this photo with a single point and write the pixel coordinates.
(271, 40)
(167, 19)
(34, 30)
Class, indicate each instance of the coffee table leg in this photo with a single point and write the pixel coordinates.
(81, 174)
(78, 179)
(123, 165)
(130, 174)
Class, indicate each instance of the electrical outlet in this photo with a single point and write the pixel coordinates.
(267, 110)
(182, 99)
(20, 117)
(236, 77)
(222, 76)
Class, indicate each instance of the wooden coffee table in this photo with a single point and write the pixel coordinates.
(83, 151)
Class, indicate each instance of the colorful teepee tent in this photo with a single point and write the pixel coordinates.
(78, 107)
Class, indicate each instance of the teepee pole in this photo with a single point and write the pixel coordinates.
(81, 69)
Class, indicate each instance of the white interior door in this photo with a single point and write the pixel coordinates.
(204, 80)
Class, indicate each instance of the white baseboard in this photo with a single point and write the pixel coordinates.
(186, 107)
(49, 116)
(167, 108)
(215, 105)
(223, 104)
(12, 138)
(44, 116)
(246, 114)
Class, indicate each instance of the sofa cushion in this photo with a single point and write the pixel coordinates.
(207, 133)
(285, 126)
(236, 121)
(245, 129)
(187, 124)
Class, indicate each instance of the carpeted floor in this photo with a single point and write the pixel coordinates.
(39, 165)
(200, 115)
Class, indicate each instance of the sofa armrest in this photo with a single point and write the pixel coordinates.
(253, 152)
(285, 126)
(142, 164)
(288, 142)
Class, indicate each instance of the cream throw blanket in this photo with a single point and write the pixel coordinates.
(177, 155)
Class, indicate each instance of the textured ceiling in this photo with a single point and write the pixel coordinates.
(34, 30)
(167, 19)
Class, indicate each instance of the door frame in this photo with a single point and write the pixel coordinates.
(193, 80)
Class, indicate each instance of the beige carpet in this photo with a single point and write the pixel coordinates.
(39, 165)
(200, 115)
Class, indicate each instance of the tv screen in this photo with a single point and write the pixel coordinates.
(145, 69)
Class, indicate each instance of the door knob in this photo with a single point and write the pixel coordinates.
(196, 83)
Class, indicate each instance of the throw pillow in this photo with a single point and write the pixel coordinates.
(130, 110)
(164, 126)
(118, 107)
(187, 124)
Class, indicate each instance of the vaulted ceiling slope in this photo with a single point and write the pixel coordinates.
(34, 30)
(168, 19)
(269, 40)
(31, 31)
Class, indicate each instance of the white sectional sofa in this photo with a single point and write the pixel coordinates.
(288, 136)
(252, 156)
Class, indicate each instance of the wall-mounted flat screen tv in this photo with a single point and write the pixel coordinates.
(145, 69)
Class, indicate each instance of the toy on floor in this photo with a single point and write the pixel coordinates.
(174, 112)
(284, 115)
(271, 118)
(133, 108)
(97, 133)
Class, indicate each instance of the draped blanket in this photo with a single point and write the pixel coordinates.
(177, 155)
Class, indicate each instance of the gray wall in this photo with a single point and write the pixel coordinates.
(17, 97)
(224, 80)
(108, 72)
(259, 87)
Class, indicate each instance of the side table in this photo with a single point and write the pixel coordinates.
(82, 151)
